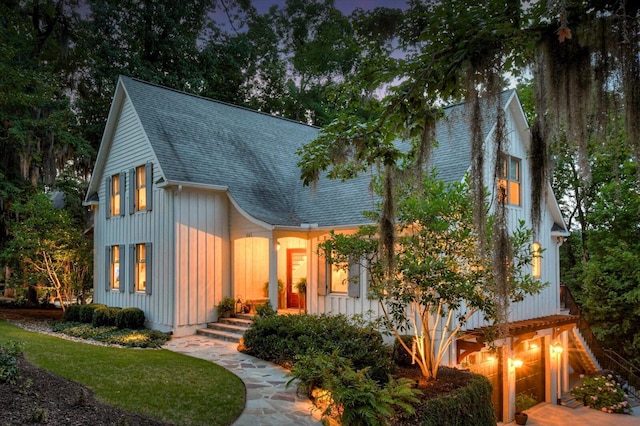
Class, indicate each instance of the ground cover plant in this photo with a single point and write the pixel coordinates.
(143, 382)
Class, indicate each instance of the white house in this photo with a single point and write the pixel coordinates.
(195, 200)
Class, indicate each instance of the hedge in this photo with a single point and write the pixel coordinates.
(131, 318)
(284, 338)
(467, 406)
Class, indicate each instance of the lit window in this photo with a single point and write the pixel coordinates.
(141, 189)
(339, 279)
(509, 181)
(141, 267)
(536, 260)
(115, 267)
(115, 195)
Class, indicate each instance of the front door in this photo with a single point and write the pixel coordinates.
(296, 269)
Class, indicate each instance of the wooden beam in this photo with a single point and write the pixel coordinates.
(465, 348)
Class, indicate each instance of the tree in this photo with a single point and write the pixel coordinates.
(39, 135)
(47, 249)
(440, 277)
(462, 51)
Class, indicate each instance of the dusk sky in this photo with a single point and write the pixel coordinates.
(347, 6)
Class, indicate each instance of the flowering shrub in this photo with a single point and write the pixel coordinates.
(603, 393)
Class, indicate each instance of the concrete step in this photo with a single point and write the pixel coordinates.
(239, 321)
(570, 401)
(227, 326)
(219, 334)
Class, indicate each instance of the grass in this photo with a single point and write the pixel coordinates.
(155, 383)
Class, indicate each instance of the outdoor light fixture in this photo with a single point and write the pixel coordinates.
(278, 246)
(517, 363)
(534, 346)
(557, 348)
(491, 358)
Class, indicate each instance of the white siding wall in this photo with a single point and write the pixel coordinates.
(546, 302)
(129, 149)
(202, 271)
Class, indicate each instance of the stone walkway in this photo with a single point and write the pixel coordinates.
(269, 402)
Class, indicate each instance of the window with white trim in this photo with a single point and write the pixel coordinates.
(339, 279)
(114, 269)
(141, 188)
(509, 180)
(115, 195)
(141, 267)
(536, 260)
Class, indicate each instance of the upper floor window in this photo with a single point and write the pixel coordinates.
(509, 180)
(141, 188)
(115, 195)
(536, 260)
(140, 183)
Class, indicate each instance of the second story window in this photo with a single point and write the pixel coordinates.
(141, 188)
(115, 195)
(509, 179)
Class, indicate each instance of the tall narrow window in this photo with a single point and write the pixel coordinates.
(115, 195)
(536, 260)
(141, 267)
(141, 188)
(509, 180)
(115, 268)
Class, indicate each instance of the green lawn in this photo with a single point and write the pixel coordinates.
(156, 383)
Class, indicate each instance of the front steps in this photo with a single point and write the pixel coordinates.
(570, 401)
(227, 329)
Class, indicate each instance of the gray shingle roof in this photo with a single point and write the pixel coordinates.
(202, 141)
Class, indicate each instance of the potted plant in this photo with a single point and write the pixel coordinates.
(523, 402)
(301, 286)
(226, 307)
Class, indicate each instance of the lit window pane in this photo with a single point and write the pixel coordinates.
(115, 195)
(339, 279)
(115, 267)
(141, 190)
(141, 267)
(536, 261)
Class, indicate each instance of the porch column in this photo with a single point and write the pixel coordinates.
(273, 272)
(508, 384)
(564, 339)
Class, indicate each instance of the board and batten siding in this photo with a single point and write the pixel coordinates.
(130, 148)
(547, 301)
(202, 271)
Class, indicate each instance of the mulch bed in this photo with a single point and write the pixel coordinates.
(41, 397)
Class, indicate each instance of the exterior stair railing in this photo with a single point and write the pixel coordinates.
(626, 373)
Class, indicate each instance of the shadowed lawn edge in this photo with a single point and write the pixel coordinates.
(155, 383)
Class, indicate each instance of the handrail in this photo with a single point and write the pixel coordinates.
(607, 358)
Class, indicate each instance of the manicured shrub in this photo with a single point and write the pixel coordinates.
(131, 318)
(468, 405)
(400, 355)
(104, 316)
(86, 312)
(72, 313)
(283, 338)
